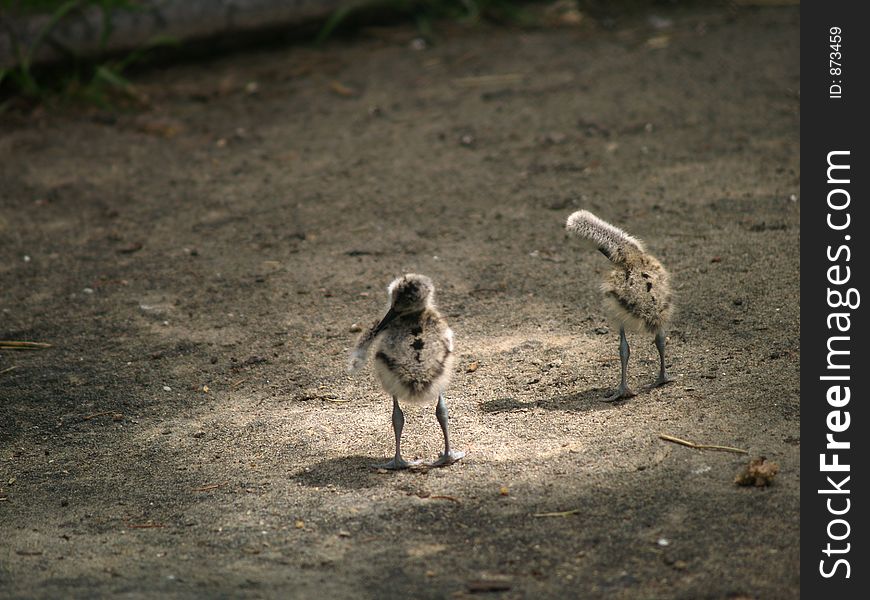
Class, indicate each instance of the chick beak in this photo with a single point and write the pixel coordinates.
(388, 318)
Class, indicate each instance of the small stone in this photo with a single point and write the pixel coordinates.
(660, 22)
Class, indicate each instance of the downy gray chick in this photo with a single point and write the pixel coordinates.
(413, 348)
(637, 292)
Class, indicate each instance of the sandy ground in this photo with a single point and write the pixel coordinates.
(198, 267)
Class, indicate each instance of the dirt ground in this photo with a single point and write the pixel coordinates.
(198, 267)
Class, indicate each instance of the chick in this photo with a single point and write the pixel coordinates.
(637, 292)
(413, 350)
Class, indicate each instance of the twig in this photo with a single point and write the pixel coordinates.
(676, 440)
(144, 525)
(488, 80)
(342, 90)
(99, 414)
(494, 290)
(451, 498)
(488, 585)
(564, 513)
(12, 368)
(238, 383)
(338, 400)
(15, 345)
(211, 486)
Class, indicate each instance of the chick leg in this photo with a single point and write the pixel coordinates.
(398, 423)
(623, 390)
(450, 456)
(660, 346)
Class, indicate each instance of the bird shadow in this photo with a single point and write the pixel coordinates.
(350, 472)
(590, 400)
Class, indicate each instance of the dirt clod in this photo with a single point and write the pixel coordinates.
(759, 473)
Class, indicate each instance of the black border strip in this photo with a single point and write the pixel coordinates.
(835, 111)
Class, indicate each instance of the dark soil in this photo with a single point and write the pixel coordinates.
(198, 267)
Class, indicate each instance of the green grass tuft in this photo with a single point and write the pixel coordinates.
(93, 82)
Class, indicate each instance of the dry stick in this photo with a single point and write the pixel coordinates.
(211, 486)
(564, 513)
(15, 345)
(12, 368)
(676, 440)
(685, 234)
(144, 525)
(489, 80)
(451, 498)
(99, 414)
